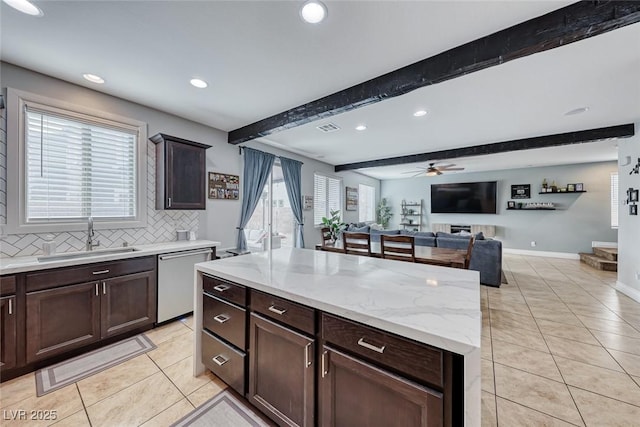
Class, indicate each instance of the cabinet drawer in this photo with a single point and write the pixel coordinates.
(287, 312)
(224, 361)
(410, 358)
(7, 285)
(46, 279)
(225, 320)
(228, 291)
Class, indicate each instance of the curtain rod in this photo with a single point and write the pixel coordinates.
(279, 157)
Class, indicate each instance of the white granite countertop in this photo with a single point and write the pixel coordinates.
(31, 263)
(434, 305)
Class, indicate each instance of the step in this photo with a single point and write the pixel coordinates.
(599, 263)
(609, 253)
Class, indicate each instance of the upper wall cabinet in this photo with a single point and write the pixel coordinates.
(180, 173)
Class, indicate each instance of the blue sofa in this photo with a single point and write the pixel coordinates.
(486, 256)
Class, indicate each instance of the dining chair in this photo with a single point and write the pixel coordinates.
(356, 243)
(467, 257)
(326, 235)
(400, 248)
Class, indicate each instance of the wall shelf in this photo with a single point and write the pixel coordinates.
(531, 209)
(563, 192)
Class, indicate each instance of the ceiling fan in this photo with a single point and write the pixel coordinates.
(433, 170)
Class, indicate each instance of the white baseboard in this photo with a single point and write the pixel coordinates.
(632, 293)
(565, 255)
(604, 244)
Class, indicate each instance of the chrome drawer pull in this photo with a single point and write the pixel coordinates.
(363, 343)
(307, 359)
(220, 360)
(279, 311)
(323, 359)
(95, 273)
(221, 288)
(221, 318)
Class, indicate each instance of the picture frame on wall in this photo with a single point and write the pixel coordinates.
(223, 186)
(351, 199)
(307, 203)
(521, 191)
(633, 209)
(633, 195)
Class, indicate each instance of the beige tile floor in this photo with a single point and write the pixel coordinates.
(560, 347)
(154, 389)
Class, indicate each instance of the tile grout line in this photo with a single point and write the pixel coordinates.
(84, 407)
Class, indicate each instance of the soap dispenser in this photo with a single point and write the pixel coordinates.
(49, 245)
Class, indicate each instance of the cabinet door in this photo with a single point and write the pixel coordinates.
(8, 332)
(128, 302)
(185, 176)
(281, 373)
(62, 319)
(354, 393)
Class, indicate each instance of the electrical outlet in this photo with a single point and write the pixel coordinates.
(637, 275)
(533, 243)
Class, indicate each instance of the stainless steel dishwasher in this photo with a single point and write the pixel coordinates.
(175, 282)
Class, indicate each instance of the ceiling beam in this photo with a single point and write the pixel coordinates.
(578, 137)
(569, 24)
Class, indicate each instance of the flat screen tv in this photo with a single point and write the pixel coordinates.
(464, 197)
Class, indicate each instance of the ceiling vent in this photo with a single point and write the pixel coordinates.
(329, 127)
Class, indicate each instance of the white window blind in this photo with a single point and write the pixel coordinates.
(326, 197)
(614, 200)
(366, 207)
(76, 168)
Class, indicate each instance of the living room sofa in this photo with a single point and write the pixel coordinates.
(486, 255)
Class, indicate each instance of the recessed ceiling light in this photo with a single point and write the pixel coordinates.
(361, 127)
(93, 78)
(199, 83)
(577, 111)
(25, 6)
(420, 113)
(313, 11)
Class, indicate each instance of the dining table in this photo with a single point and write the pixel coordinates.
(424, 254)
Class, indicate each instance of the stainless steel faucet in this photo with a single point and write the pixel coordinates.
(90, 233)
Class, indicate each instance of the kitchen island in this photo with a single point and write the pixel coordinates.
(392, 309)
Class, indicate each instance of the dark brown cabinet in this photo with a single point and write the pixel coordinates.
(62, 319)
(72, 307)
(355, 393)
(8, 332)
(127, 303)
(180, 173)
(281, 372)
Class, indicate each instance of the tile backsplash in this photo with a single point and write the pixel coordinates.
(161, 225)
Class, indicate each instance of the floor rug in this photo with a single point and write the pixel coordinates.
(223, 410)
(70, 371)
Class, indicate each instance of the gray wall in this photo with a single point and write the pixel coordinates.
(629, 231)
(221, 217)
(580, 218)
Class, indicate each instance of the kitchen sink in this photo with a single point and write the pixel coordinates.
(86, 254)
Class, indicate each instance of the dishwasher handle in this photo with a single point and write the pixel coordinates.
(184, 254)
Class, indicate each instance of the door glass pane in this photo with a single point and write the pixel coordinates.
(283, 221)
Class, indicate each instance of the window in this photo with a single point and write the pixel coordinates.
(367, 206)
(72, 165)
(326, 197)
(614, 200)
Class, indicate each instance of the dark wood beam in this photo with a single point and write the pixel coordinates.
(578, 137)
(558, 28)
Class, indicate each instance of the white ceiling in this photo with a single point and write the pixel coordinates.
(260, 59)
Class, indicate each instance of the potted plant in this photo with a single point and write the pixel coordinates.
(334, 223)
(384, 213)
